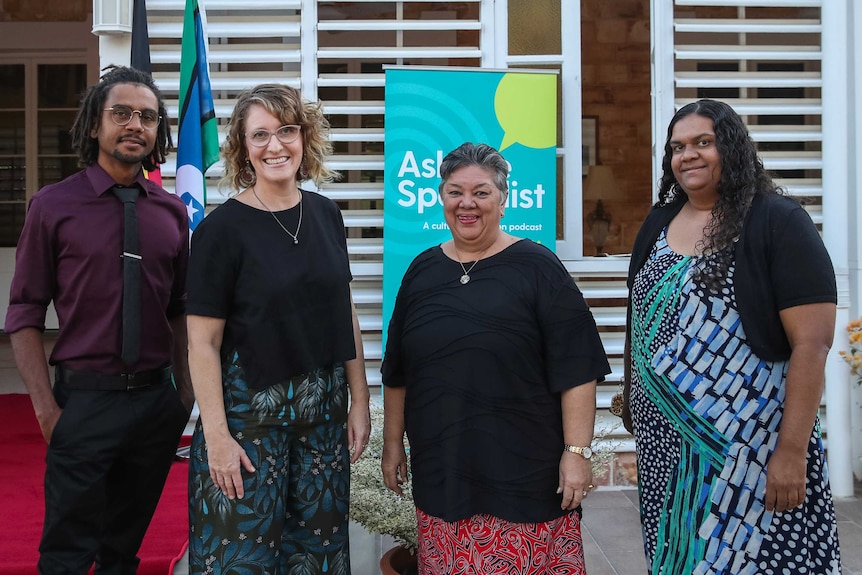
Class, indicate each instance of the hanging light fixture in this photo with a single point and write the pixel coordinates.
(112, 17)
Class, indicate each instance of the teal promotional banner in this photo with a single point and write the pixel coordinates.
(430, 112)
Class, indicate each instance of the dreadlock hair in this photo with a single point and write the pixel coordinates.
(742, 177)
(89, 116)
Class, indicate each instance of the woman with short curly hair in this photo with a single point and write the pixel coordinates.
(274, 344)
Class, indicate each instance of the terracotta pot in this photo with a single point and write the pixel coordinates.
(398, 561)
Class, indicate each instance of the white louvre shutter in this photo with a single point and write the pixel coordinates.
(763, 57)
(354, 41)
(771, 53)
(251, 42)
(332, 51)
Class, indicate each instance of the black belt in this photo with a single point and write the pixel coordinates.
(94, 381)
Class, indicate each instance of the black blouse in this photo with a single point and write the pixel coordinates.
(483, 365)
(286, 306)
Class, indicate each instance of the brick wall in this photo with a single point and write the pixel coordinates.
(616, 90)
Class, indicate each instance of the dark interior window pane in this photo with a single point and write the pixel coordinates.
(12, 80)
(54, 135)
(12, 132)
(61, 85)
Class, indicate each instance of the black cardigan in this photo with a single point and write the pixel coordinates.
(781, 262)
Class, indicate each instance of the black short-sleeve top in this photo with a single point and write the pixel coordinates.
(287, 306)
(483, 365)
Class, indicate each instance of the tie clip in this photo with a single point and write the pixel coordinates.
(130, 255)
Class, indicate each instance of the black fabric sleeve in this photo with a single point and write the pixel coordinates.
(392, 369)
(573, 350)
(212, 269)
(338, 228)
(801, 271)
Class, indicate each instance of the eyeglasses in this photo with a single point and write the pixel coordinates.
(286, 135)
(122, 115)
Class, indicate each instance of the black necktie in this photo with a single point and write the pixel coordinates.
(131, 278)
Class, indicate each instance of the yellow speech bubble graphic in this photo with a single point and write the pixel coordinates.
(526, 107)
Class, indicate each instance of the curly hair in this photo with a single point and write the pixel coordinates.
(481, 155)
(742, 177)
(286, 104)
(89, 116)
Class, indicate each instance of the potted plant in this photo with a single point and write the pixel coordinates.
(381, 511)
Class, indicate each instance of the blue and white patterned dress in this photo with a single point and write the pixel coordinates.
(707, 411)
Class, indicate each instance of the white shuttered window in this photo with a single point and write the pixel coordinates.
(334, 52)
(763, 57)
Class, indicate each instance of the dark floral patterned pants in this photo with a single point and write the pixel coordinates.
(293, 517)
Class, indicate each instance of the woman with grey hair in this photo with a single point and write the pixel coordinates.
(491, 366)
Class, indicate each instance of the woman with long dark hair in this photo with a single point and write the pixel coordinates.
(731, 316)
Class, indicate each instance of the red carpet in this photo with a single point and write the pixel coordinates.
(22, 468)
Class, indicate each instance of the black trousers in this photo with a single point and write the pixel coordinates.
(107, 463)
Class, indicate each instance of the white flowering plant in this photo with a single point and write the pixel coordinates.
(374, 506)
(381, 511)
(853, 356)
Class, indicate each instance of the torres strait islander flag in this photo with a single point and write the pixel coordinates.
(197, 148)
(140, 58)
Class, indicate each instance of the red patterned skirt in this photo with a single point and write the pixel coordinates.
(486, 545)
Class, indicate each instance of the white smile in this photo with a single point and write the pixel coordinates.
(274, 161)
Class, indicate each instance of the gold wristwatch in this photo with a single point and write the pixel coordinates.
(585, 452)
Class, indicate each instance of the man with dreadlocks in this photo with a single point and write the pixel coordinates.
(113, 419)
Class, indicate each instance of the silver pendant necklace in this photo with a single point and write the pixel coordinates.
(294, 235)
(465, 279)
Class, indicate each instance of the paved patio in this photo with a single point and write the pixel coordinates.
(612, 536)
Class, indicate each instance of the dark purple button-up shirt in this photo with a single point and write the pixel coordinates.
(69, 252)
